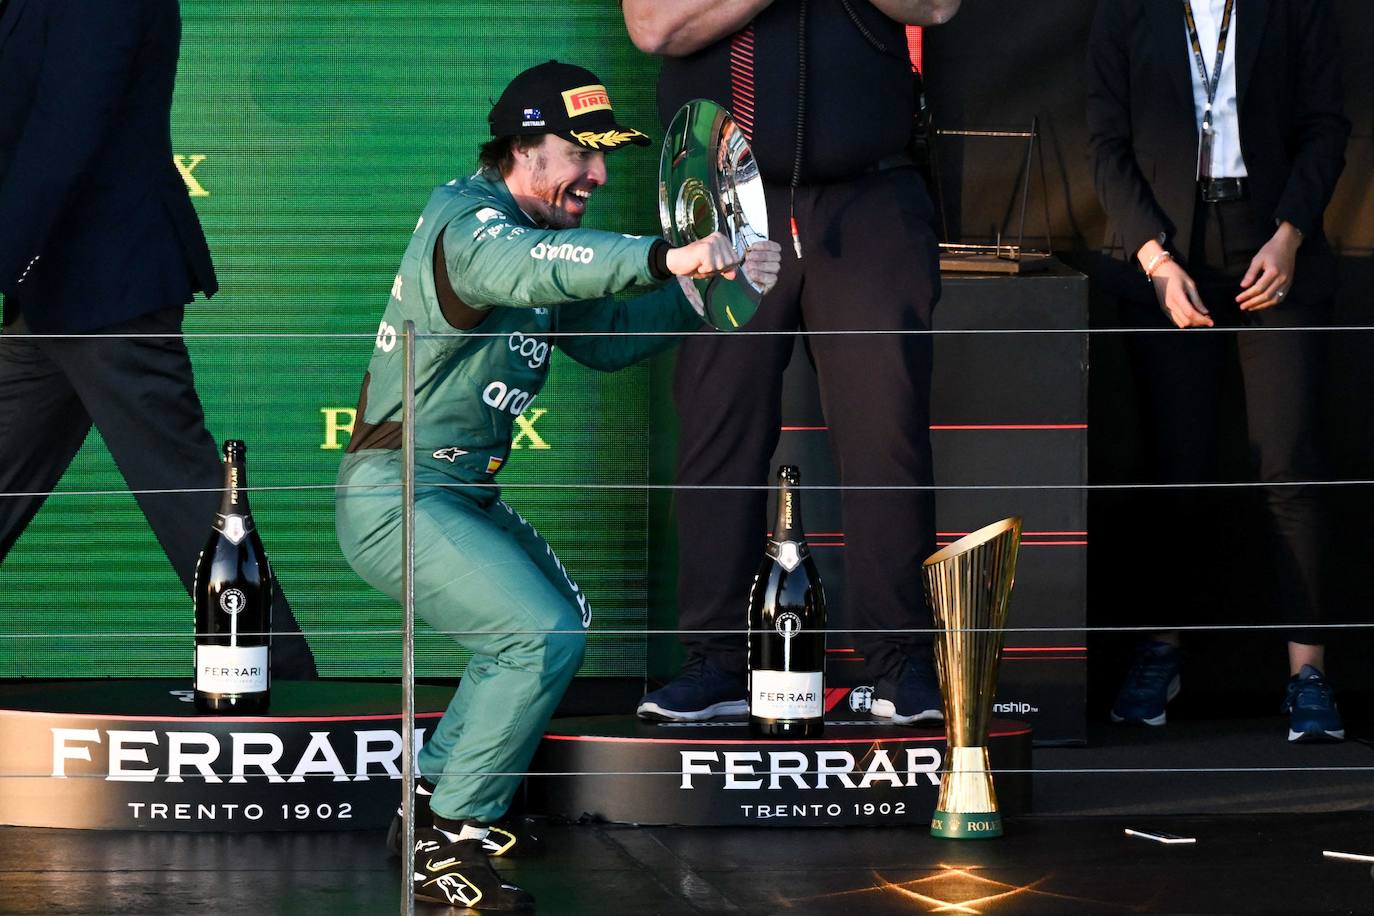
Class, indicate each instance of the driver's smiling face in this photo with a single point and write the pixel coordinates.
(560, 178)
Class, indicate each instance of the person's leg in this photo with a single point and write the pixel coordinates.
(42, 426)
(489, 580)
(140, 393)
(527, 622)
(1178, 378)
(1283, 371)
(727, 391)
(1283, 380)
(876, 268)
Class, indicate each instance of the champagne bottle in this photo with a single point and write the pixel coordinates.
(233, 599)
(787, 628)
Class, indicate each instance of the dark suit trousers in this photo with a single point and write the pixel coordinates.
(140, 394)
(870, 262)
(1180, 377)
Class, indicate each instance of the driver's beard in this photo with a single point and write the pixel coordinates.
(554, 216)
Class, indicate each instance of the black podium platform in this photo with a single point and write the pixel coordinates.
(136, 755)
(862, 772)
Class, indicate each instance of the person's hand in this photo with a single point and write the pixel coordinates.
(1270, 276)
(762, 261)
(693, 297)
(704, 258)
(1178, 296)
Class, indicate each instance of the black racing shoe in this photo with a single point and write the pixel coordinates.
(512, 837)
(458, 873)
(423, 818)
(507, 838)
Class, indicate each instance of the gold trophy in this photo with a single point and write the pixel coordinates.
(968, 585)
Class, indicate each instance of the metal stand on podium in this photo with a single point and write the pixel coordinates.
(408, 626)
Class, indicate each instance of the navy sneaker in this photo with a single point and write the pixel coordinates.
(701, 691)
(1311, 709)
(1150, 684)
(915, 697)
(458, 873)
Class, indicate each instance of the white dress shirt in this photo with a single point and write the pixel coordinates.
(1227, 161)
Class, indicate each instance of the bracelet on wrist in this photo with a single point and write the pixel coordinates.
(1155, 262)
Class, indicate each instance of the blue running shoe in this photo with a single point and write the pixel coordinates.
(1311, 708)
(916, 696)
(1150, 684)
(701, 691)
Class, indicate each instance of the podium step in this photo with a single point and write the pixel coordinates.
(137, 755)
(863, 772)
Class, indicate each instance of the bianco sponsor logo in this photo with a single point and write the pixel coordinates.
(534, 350)
(507, 398)
(195, 753)
(578, 254)
(811, 769)
(584, 607)
(386, 335)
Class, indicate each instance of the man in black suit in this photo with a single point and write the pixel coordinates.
(1217, 137)
(98, 237)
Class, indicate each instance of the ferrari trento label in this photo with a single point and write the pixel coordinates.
(786, 694)
(231, 669)
(585, 99)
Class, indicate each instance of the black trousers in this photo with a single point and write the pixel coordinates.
(870, 262)
(140, 394)
(1180, 375)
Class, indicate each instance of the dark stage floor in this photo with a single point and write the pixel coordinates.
(1260, 829)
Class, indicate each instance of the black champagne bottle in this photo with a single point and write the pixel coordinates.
(787, 628)
(233, 598)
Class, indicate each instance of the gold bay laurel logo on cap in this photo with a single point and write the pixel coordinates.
(609, 139)
(586, 99)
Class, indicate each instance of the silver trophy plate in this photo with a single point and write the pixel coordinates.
(709, 182)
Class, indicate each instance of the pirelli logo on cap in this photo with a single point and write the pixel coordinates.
(586, 99)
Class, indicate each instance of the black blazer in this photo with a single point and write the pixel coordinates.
(96, 225)
(1143, 137)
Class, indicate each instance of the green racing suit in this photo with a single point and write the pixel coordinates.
(482, 573)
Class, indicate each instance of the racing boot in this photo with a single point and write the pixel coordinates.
(458, 873)
(509, 837)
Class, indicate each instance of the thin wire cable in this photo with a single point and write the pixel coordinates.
(1009, 771)
(742, 332)
(673, 487)
(645, 631)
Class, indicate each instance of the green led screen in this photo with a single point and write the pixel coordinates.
(310, 135)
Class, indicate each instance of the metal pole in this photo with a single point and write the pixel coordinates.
(408, 625)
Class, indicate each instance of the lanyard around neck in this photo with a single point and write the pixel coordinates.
(1209, 84)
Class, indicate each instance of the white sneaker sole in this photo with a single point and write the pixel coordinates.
(656, 712)
(1303, 737)
(1163, 716)
(886, 709)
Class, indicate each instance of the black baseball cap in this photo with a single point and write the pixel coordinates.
(558, 98)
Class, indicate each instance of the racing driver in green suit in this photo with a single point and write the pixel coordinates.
(497, 273)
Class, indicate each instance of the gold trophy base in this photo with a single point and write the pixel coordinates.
(967, 806)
